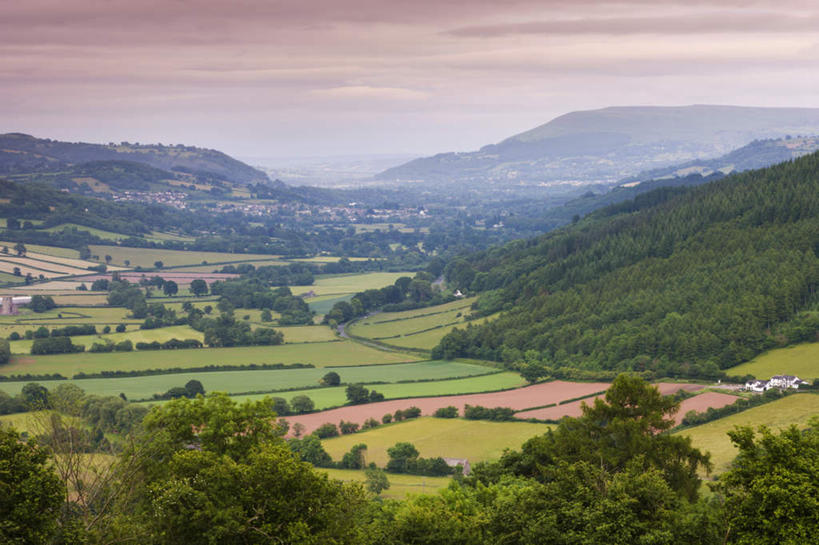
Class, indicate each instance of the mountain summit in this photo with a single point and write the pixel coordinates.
(610, 144)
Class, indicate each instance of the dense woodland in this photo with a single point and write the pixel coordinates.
(677, 281)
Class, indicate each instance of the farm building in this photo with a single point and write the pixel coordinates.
(455, 462)
(9, 305)
(777, 381)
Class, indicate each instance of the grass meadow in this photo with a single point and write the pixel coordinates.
(340, 353)
(400, 485)
(325, 398)
(801, 360)
(140, 388)
(145, 257)
(343, 284)
(475, 440)
(712, 437)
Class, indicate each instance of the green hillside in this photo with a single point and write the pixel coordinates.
(676, 281)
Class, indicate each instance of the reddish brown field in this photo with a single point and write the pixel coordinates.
(704, 402)
(573, 409)
(521, 398)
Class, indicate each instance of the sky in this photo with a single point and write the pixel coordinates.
(270, 78)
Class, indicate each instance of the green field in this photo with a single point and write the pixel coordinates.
(63, 316)
(475, 440)
(801, 360)
(795, 409)
(144, 387)
(384, 330)
(343, 353)
(136, 335)
(255, 263)
(107, 235)
(333, 397)
(349, 283)
(145, 257)
(460, 304)
(48, 250)
(400, 485)
(322, 305)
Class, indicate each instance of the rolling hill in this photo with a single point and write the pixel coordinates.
(24, 154)
(682, 281)
(610, 144)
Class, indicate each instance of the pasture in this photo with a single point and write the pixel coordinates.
(143, 387)
(54, 251)
(107, 235)
(145, 257)
(712, 437)
(801, 360)
(400, 484)
(343, 353)
(342, 284)
(324, 398)
(475, 440)
(136, 335)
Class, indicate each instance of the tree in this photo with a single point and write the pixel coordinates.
(355, 458)
(120, 328)
(16, 271)
(267, 316)
(40, 303)
(310, 450)
(20, 248)
(170, 288)
(199, 287)
(108, 259)
(772, 489)
(331, 379)
(302, 404)
(158, 264)
(32, 494)
(193, 388)
(625, 427)
(401, 455)
(326, 430)
(36, 396)
(234, 487)
(5, 351)
(357, 394)
(376, 480)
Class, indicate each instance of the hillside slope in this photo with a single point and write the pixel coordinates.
(610, 144)
(677, 281)
(21, 154)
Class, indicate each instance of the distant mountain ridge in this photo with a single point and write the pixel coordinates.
(22, 154)
(610, 144)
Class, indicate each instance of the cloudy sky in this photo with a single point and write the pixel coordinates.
(330, 77)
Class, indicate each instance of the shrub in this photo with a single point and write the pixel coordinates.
(331, 379)
(106, 329)
(483, 413)
(347, 427)
(54, 345)
(326, 430)
(302, 404)
(124, 346)
(386, 419)
(446, 412)
(121, 328)
(370, 423)
(376, 396)
(102, 347)
(412, 412)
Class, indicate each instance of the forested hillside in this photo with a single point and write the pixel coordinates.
(677, 281)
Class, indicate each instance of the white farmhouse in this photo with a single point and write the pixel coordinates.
(757, 385)
(785, 381)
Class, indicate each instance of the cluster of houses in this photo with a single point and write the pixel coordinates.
(777, 381)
